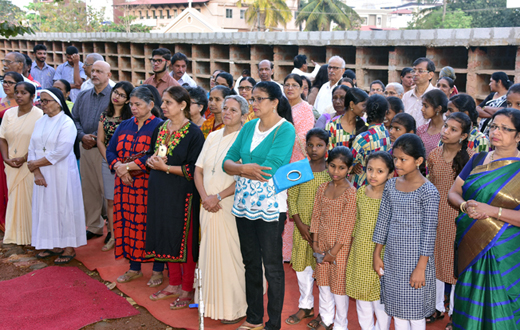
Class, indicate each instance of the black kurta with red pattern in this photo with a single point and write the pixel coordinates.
(173, 200)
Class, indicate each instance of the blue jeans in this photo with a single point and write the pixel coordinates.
(261, 242)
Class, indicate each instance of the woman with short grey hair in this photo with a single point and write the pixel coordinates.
(394, 89)
(220, 260)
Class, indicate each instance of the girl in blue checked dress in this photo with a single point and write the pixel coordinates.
(406, 227)
(362, 280)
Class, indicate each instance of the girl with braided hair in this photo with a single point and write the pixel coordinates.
(375, 138)
(444, 165)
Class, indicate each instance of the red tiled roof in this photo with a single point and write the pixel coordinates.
(158, 2)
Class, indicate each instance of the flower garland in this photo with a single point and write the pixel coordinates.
(173, 140)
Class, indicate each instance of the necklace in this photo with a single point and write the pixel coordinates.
(218, 147)
(21, 127)
(49, 134)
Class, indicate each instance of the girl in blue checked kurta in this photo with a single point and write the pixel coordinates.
(376, 138)
(406, 226)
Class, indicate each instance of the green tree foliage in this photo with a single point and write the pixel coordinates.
(483, 13)
(453, 20)
(10, 20)
(60, 16)
(319, 14)
(266, 14)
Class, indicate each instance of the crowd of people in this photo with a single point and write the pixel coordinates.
(412, 210)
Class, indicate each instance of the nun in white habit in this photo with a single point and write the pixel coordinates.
(57, 206)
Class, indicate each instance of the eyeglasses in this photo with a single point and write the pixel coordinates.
(7, 62)
(333, 68)
(45, 102)
(245, 88)
(419, 71)
(87, 65)
(293, 86)
(377, 90)
(158, 60)
(121, 96)
(9, 83)
(259, 99)
(493, 127)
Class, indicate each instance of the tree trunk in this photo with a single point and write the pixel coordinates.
(445, 3)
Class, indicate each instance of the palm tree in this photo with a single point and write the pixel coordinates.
(266, 14)
(318, 15)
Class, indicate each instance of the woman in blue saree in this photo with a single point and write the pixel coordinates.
(487, 293)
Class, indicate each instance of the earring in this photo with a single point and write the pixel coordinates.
(274, 110)
(351, 109)
(460, 141)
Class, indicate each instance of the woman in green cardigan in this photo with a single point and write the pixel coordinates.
(262, 146)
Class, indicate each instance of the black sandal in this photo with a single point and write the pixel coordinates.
(314, 323)
(435, 316)
(324, 326)
(294, 319)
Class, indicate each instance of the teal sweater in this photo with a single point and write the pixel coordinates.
(273, 151)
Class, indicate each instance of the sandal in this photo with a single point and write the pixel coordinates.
(322, 325)
(314, 323)
(65, 259)
(129, 276)
(244, 326)
(163, 294)
(48, 253)
(435, 316)
(155, 280)
(232, 321)
(181, 303)
(109, 245)
(294, 319)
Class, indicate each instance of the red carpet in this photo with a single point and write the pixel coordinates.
(58, 298)
(109, 269)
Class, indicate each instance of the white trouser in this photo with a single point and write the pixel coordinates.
(365, 312)
(401, 324)
(328, 301)
(306, 284)
(439, 297)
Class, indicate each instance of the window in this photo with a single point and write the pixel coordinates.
(175, 13)
(147, 14)
(168, 13)
(379, 21)
(229, 13)
(153, 14)
(141, 14)
(161, 16)
(242, 13)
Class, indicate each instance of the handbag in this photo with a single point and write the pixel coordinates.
(293, 174)
(129, 159)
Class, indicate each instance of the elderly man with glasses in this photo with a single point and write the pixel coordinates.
(323, 102)
(422, 70)
(16, 62)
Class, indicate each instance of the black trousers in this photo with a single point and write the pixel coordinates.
(261, 242)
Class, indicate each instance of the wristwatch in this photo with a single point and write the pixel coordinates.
(127, 168)
(219, 198)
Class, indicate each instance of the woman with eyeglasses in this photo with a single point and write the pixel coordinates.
(245, 89)
(15, 134)
(57, 206)
(487, 193)
(262, 146)
(199, 104)
(9, 101)
(117, 111)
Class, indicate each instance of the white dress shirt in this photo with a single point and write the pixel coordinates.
(311, 75)
(413, 105)
(323, 102)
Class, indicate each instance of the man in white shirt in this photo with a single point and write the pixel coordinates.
(300, 67)
(323, 102)
(178, 70)
(87, 66)
(423, 70)
(15, 62)
(265, 72)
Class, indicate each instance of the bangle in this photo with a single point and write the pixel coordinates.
(168, 170)
(127, 168)
(331, 254)
(499, 213)
(463, 207)
(218, 197)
